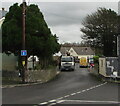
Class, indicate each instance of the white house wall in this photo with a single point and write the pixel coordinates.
(72, 52)
(1, 21)
(90, 56)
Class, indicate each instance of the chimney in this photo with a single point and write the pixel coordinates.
(3, 12)
(85, 49)
(3, 9)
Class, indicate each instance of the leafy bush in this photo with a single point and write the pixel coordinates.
(96, 59)
(37, 67)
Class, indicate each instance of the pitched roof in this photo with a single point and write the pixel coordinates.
(83, 50)
(79, 50)
(63, 50)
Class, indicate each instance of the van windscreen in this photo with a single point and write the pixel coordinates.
(66, 59)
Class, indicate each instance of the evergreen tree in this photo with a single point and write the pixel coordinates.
(39, 39)
(100, 29)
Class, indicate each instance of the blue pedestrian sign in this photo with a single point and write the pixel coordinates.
(23, 52)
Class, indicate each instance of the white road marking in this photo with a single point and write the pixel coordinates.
(43, 103)
(66, 96)
(87, 89)
(79, 92)
(73, 94)
(83, 91)
(60, 98)
(52, 100)
(88, 101)
(55, 100)
(60, 101)
(52, 104)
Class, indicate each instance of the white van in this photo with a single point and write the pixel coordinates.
(67, 63)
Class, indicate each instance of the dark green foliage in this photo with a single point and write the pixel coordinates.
(100, 30)
(39, 40)
(96, 59)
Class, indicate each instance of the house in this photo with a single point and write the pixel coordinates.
(2, 16)
(83, 52)
(64, 50)
(78, 51)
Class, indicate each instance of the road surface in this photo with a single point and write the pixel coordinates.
(74, 87)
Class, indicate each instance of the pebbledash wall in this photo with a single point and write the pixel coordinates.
(9, 66)
(9, 62)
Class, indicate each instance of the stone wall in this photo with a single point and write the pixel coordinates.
(41, 75)
(31, 76)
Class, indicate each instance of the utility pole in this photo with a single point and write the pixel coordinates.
(118, 38)
(23, 42)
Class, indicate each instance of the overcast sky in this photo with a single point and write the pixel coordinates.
(65, 18)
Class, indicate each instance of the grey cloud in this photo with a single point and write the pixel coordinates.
(65, 18)
(70, 13)
(70, 33)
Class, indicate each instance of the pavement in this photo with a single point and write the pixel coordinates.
(70, 87)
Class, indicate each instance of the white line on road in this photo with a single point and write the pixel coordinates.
(66, 96)
(55, 100)
(60, 98)
(79, 92)
(43, 103)
(52, 100)
(60, 101)
(88, 101)
(52, 104)
(73, 94)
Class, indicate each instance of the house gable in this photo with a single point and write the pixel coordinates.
(72, 52)
(77, 51)
(63, 50)
(83, 50)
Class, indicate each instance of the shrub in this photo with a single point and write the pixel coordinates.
(96, 59)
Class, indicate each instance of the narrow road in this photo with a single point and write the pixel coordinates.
(74, 87)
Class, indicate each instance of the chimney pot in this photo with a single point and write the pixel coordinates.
(3, 9)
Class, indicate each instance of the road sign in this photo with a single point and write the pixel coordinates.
(23, 52)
